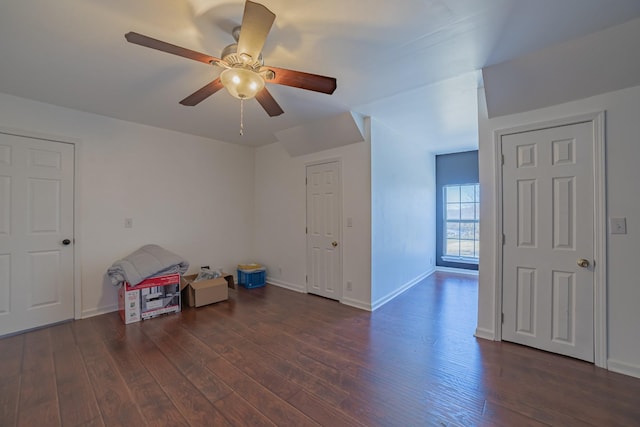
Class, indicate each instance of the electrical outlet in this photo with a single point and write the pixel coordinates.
(349, 287)
(618, 225)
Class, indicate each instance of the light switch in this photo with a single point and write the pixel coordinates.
(618, 225)
(349, 222)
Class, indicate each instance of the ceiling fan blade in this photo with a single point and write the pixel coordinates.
(203, 93)
(256, 23)
(268, 103)
(169, 48)
(302, 80)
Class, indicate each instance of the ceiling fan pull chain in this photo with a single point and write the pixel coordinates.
(241, 117)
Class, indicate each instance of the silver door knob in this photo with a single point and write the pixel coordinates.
(66, 242)
(584, 263)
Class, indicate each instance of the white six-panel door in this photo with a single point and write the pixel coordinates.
(548, 226)
(36, 216)
(324, 266)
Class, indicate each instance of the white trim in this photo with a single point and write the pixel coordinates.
(411, 283)
(624, 368)
(286, 285)
(323, 161)
(77, 143)
(485, 334)
(98, 311)
(600, 241)
(600, 251)
(497, 316)
(457, 270)
(362, 305)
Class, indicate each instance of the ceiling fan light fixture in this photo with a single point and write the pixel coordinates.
(242, 83)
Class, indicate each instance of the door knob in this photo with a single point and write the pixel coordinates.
(584, 263)
(66, 242)
(334, 243)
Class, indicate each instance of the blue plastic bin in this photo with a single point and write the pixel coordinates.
(252, 278)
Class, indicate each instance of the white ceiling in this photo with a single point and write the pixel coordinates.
(411, 64)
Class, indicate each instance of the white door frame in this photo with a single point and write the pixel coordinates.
(338, 160)
(600, 225)
(77, 284)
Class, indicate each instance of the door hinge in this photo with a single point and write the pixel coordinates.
(504, 238)
(502, 159)
(502, 317)
(306, 181)
(306, 279)
(306, 230)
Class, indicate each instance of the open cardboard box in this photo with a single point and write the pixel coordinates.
(205, 291)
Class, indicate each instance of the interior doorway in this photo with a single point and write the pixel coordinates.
(36, 232)
(324, 219)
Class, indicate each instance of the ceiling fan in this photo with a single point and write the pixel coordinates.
(244, 74)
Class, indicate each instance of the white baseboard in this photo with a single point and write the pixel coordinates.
(457, 270)
(362, 305)
(385, 299)
(486, 334)
(98, 311)
(286, 285)
(623, 368)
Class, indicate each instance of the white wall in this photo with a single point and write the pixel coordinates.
(191, 195)
(403, 212)
(280, 217)
(623, 175)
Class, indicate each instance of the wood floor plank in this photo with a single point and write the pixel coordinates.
(270, 356)
(116, 402)
(78, 405)
(38, 393)
(9, 397)
(273, 407)
(240, 413)
(323, 413)
(193, 368)
(11, 350)
(193, 406)
(154, 404)
(494, 411)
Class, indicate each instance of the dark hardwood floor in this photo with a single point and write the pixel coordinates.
(269, 356)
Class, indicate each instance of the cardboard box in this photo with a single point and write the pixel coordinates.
(150, 298)
(229, 279)
(197, 294)
(129, 304)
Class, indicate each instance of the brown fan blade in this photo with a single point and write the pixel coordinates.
(256, 23)
(302, 80)
(203, 93)
(169, 48)
(268, 103)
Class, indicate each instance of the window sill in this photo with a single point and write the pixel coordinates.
(460, 260)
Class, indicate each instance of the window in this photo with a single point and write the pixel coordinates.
(461, 223)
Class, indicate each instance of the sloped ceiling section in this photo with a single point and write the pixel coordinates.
(343, 129)
(601, 62)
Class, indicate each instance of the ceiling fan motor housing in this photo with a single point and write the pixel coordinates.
(230, 56)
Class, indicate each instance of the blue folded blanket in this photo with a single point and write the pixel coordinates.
(148, 261)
